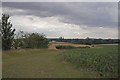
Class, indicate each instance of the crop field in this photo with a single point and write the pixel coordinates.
(61, 63)
(102, 60)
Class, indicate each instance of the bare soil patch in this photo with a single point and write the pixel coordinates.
(52, 45)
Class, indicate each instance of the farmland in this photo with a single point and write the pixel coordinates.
(61, 63)
(102, 60)
(59, 40)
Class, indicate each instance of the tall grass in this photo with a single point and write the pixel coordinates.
(103, 60)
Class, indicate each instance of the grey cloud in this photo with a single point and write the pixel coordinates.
(91, 14)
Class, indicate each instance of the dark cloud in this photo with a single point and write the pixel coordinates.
(81, 13)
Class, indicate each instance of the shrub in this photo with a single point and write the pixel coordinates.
(31, 40)
(65, 47)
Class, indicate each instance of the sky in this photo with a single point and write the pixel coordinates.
(66, 19)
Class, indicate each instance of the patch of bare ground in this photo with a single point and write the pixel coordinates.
(52, 45)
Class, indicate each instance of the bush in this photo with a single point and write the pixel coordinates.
(35, 40)
(65, 47)
(84, 47)
(70, 47)
(31, 40)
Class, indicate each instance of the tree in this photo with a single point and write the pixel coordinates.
(18, 40)
(31, 40)
(88, 41)
(7, 33)
(36, 40)
(61, 39)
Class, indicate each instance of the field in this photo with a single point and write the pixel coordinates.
(102, 60)
(50, 63)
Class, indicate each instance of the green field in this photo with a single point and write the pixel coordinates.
(44, 63)
(103, 60)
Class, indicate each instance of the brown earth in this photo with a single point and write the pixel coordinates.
(52, 45)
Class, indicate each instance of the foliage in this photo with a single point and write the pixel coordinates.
(61, 39)
(103, 60)
(89, 41)
(31, 40)
(69, 47)
(65, 47)
(7, 32)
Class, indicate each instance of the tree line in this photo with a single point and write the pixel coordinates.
(11, 40)
(88, 41)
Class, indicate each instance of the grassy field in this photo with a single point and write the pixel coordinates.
(45, 63)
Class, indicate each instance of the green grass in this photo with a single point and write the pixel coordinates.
(40, 63)
(44, 63)
(103, 60)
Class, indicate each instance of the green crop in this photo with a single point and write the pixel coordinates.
(103, 60)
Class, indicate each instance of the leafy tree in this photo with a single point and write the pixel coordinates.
(61, 39)
(18, 41)
(7, 33)
(31, 40)
(35, 40)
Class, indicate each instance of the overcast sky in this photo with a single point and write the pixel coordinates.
(70, 20)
